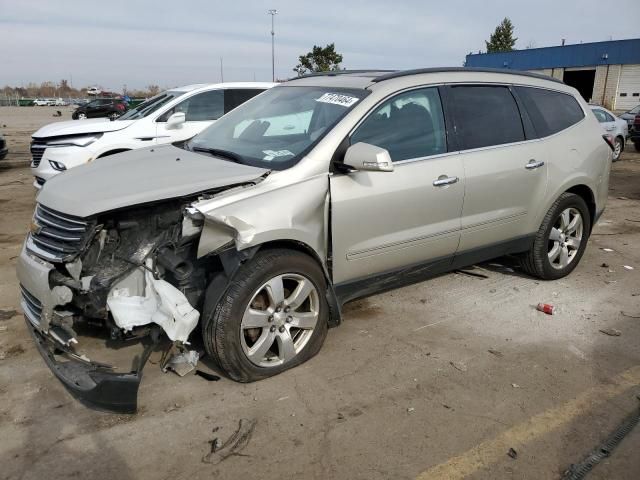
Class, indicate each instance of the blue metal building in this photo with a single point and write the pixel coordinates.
(607, 73)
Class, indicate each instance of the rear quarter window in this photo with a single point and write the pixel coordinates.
(550, 111)
(234, 97)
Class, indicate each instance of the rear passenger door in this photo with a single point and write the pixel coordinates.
(234, 97)
(200, 111)
(506, 175)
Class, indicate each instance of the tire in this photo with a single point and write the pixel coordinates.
(82, 116)
(113, 116)
(229, 341)
(537, 261)
(618, 148)
(637, 145)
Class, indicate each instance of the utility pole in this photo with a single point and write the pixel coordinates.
(273, 12)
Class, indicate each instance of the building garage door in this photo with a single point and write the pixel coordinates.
(628, 88)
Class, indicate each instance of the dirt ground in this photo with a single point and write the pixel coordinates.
(433, 381)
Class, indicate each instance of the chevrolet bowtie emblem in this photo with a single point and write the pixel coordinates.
(34, 228)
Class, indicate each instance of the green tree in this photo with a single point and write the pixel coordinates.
(319, 60)
(501, 40)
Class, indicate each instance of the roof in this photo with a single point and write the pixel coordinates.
(365, 78)
(613, 52)
(339, 78)
(197, 86)
(419, 71)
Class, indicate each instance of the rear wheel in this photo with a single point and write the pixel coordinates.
(272, 317)
(561, 239)
(113, 115)
(618, 147)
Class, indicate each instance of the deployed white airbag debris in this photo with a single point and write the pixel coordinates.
(162, 303)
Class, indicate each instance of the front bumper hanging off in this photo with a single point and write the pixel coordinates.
(96, 385)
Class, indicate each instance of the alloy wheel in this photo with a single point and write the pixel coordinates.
(279, 320)
(565, 238)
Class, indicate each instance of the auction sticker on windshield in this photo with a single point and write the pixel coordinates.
(337, 99)
(271, 154)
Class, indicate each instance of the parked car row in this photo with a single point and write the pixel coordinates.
(50, 102)
(312, 193)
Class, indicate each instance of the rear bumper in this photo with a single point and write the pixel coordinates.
(97, 386)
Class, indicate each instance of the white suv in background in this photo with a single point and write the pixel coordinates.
(175, 115)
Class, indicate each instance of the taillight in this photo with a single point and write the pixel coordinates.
(609, 139)
(119, 106)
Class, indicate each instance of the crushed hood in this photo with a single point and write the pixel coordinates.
(140, 176)
(79, 127)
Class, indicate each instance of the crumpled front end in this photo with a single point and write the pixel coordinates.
(131, 274)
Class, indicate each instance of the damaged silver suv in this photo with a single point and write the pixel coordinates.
(316, 192)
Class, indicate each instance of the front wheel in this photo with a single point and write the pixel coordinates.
(560, 240)
(82, 116)
(272, 317)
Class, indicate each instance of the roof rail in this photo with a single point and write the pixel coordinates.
(333, 73)
(405, 73)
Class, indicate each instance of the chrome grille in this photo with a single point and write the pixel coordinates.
(56, 236)
(37, 150)
(31, 306)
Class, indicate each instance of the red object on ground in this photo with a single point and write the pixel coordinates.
(546, 308)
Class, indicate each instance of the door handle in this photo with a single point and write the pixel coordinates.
(533, 164)
(444, 180)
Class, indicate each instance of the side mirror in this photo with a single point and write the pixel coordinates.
(176, 120)
(369, 158)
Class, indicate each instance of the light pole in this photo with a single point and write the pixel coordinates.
(273, 12)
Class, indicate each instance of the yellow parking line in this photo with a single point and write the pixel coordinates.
(492, 450)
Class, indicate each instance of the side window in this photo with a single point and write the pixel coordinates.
(234, 97)
(410, 125)
(550, 111)
(608, 117)
(486, 116)
(201, 107)
(600, 115)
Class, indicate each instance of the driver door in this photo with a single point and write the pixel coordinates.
(383, 222)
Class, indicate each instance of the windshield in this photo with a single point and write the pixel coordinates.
(149, 106)
(278, 127)
(635, 110)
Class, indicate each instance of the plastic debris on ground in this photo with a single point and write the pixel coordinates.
(612, 332)
(210, 377)
(459, 366)
(182, 363)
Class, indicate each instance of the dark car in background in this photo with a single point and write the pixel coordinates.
(101, 107)
(632, 118)
(3, 147)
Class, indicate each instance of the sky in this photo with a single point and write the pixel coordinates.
(169, 43)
